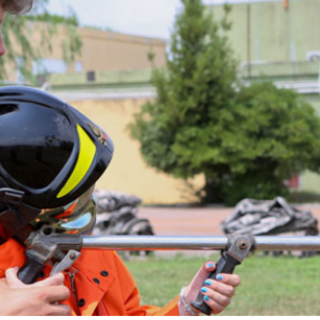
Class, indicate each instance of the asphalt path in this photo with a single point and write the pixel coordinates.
(194, 221)
(186, 221)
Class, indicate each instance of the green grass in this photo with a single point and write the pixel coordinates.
(270, 286)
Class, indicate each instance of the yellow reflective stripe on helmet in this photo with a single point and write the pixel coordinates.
(86, 155)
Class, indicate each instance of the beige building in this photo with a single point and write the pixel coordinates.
(110, 82)
(107, 50)
(128, 172)
(101, 51)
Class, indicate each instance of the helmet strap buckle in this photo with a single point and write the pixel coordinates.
(15, 215)
(11, 196)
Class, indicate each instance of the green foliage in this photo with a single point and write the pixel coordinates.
(175, 129)
(246, 141)
(279, 136)
(54, 19)
(17, 32)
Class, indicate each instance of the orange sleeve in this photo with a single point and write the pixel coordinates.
(171, 309)
(131, 296)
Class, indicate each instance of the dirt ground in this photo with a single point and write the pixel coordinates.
(194, 221)
(186, 221)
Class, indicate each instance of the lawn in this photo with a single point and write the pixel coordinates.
(270, 286)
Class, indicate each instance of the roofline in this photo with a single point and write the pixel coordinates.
(243, 2)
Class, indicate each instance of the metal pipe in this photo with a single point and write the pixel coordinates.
(274, 243)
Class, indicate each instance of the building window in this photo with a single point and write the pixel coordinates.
(91, 76)
(45, 66)
(293, 183)
(313, 56)
(19, 76)
(78, 66)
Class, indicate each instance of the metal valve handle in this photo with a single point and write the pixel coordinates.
(239, 249)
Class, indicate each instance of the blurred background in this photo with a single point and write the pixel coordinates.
(208, 103)
(96, 56)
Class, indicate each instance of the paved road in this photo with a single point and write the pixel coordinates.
(194, 221)
(186, 221)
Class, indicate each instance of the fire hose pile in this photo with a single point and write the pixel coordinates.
(117, 215)
(273, 217)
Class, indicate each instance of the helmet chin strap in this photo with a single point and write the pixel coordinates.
(15, 215)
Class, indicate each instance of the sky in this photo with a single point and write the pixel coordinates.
(149, 18)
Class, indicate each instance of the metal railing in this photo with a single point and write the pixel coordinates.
(301, 76)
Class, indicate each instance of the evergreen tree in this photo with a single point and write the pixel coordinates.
(181, 132)
(202, 122)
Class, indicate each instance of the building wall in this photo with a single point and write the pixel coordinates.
(266, 31)
(310, 181)
(101, 51)
(107, 81)
(276, 42)
(127, 171)
(106, 50)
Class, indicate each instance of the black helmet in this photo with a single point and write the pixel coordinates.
(50, 153)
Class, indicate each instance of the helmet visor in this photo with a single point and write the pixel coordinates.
(79, 216)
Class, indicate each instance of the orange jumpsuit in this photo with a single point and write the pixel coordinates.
(99, 284)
